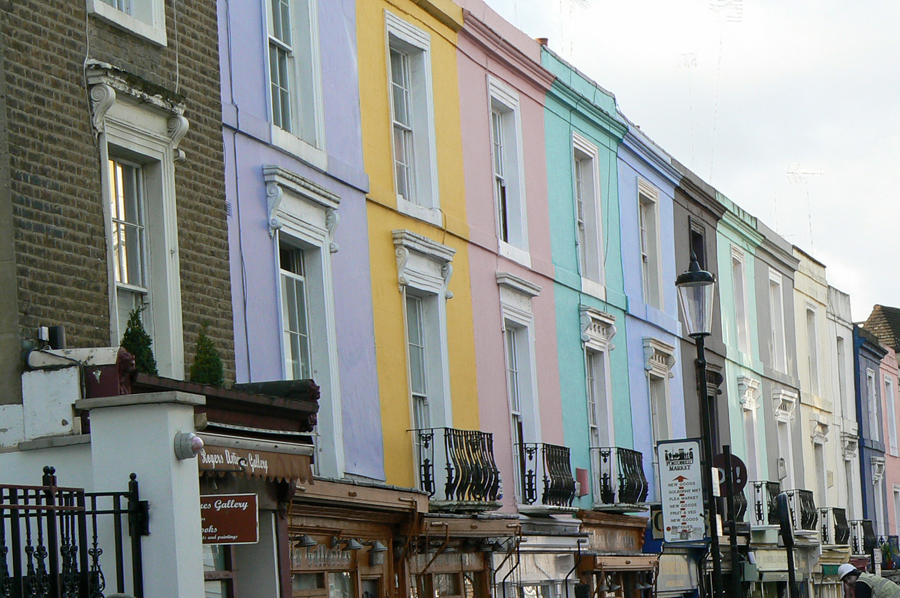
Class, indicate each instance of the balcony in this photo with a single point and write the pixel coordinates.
(862, 537)
(619, 480)
(835, 528)
(457, 469)
(764, 513)
(545, 478)
(804, 515)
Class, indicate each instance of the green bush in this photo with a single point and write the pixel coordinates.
(137, 342)
(207, 367)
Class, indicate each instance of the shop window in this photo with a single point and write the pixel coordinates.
(466, 584)
(337, 584)
(218, 570)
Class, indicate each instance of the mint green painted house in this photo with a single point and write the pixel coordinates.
(583, 133)
(737, 242)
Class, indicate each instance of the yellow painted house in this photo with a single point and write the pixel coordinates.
(418, 234)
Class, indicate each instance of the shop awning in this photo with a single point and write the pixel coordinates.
(273, 461)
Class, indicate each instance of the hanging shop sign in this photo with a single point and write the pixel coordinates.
(680, 482)
(229, 518)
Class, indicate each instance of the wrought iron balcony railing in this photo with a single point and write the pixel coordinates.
(804, 515)
(545, 475)
(835, 528)
(764, 511)
(618, 476)
(862, 536)
(740, 506)
(457, 466)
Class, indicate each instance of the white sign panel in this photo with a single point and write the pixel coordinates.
(681, 485)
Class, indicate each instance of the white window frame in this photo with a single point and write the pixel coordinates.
(424, 268)
(504, 101)
(777, 321)
(872, 406)
(890, 395)
(785, 405)
(881, 524)
(416, 44)
(812, 350)
(649, 244)
(659, 359)
(749, 397)
(149, 23)
(841, 357)
(597, 331)
(305, 79)
(304, 214)
(896, 494)
(146, 131)
(741, 306)
(588, 215)
(516, 312)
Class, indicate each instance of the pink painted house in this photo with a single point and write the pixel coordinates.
(502, 90)
(890, 379)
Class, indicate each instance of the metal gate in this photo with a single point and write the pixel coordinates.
(52, 540)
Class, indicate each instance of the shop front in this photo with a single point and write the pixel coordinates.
(245, 488)
(347, 540)
(677, 575)
(615, 562)
(772, 565)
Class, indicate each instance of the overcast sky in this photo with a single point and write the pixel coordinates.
(739, 91)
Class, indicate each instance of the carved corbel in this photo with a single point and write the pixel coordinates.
(275, 194)
(402, 254)
(447, 272)
(332, 220)
(178, 127)
(103, 96)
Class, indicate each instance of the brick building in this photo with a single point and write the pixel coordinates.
(111, 126)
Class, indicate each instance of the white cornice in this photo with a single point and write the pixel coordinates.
(519, 285)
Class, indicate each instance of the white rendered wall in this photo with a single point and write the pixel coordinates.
(135, 433)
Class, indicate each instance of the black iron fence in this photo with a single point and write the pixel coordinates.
(545, 475)
(52, 540)
(804, 515)
(862, 536)
(835, 527)
(762, 500)
(618, 476)
(458, 466)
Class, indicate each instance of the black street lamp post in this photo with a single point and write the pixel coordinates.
(696, 291)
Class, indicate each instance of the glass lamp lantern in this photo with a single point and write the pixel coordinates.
(696, 293)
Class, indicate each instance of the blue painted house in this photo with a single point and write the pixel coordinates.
(298, 240)
(868, 353)
(647, 182)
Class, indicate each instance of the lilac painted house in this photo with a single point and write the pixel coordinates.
(298, 238)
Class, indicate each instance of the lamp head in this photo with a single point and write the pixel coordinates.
(696, 292)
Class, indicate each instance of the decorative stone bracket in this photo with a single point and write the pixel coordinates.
(849, 446)
(107, 84)
(659, 357)
(749, 393)
(410, 248)
(785, 403)
(597, 328)
(819, 432)
(877, 469)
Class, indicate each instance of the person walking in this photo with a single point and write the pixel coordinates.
(858, 584)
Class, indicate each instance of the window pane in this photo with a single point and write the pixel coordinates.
(446, 584)
(294, 314)
(340, 585)
(308, 581)
(127, 226)
(416, 342)
(215, 589)
(512, 367)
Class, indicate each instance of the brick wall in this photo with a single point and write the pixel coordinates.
(55, 166)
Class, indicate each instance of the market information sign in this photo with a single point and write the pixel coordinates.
(229, 518)
(680, 482)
